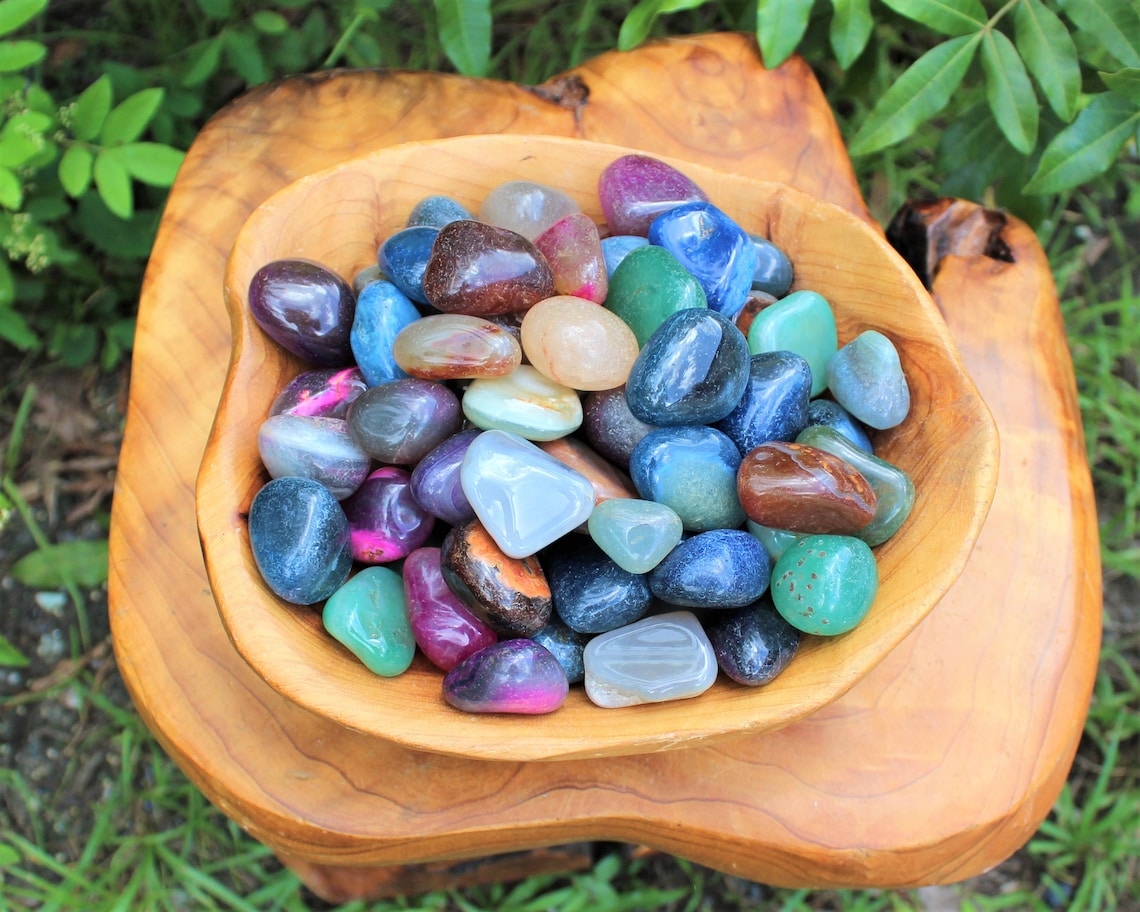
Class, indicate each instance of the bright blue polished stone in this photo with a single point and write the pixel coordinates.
(721, 568)
(382, 310)
(404, 257)
(591, 593)
(775, 401)
(831, 414)
(437, 211)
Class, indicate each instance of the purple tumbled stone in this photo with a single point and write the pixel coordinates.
(306, 308)
(402, 421)
(385, 521)
(512, 676)
(635, 189)
(318, 448)
(323, 393)
(435, 480)
(612, 429)
(443, 627)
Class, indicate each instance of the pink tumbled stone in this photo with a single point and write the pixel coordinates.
(635, 189)
(578, 343)
(573, 248)
(444, 628)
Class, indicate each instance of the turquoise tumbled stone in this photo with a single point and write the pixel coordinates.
(369, 615)
(825, 584)
(803, 323)
(382, 310)
(775, 541)
(636, 534)
(404, 257)
(617, 247)
(525, 403)
(437, 211)
(833, 415)
(866, 378)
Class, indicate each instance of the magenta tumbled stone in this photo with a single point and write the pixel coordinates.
(635, 189)
(323, 393)
(443, 627)
(385, 522)
(512, 676)
(573, 248)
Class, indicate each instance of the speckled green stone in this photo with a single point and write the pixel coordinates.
(802, 323)
(369, 615)
(650, 285)
(825, 584)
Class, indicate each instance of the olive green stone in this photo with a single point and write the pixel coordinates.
(825, 584)
(369, 615)
(650, 285)
(894, 491)
(802, 323)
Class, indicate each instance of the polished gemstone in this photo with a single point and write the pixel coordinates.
(482, 270)
(617, 247)
(444, 628)
(366, 277)
(612, 429)
(524, 498)
(299, 537)
(322, 393)
(756, 302)
(305, 308)
(753, 644)
(649, 286)
(608, 482)
(317, 448)
(693, 370)
(525, 403)
(578, 344)
(804, 489)
(825, 584)
(566, 646)
(403, 258)
(664, 657)
(368, 615)
(508, 594)
(385, 521)
(402, 421)
(455, 347)
(775, 541)
(526, 207)
(512, 676)
(591, 593)
(635, 189)
(803, 323)
(775, 401)
(382, 310)
(435, 479)
(866, 378)
(574, 251)
(721, 568)
(636, 534)
(773, 273)
(437, 211)
(831, 414)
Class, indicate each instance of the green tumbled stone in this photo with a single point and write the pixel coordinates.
(802, 323)
(775, 541)
(648, 286)
(635, 534)
(369, 615)
(894, 490)
(825, 584)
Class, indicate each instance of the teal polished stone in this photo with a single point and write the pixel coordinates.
(369, 615)
(636, 534)
(775, 541)
(866, 378)
(803, 323)
(525, 403)
(825, 584)
(894, 490)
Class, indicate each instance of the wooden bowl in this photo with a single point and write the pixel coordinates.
(339, 217)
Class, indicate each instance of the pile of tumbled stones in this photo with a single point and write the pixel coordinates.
(552, 456)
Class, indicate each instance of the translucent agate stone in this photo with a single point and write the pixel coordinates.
(402, 421)
(369, 617)
(612, 429)
(648, 287)
(299, 537)
(804, 489)
(635, 189)
(578, 344)
(305, 308)
(721, 568)
(435, 479)
(752, 644)
(512, 676)
(524, 498)
(716, 250)
(775, 541)
(591, 593)
(382, 310)
(660, 658)
(526, 207)
(773, 272)
(866, 378)
(617, 247)
(692, 470)
(404, 256)
(322, 393)
(384, 519)
(574, 251)
(802, 323)
(894, 490)
(774, 405)
(636, 534)
(509, 594)
(826, 413)
(566, 646)
(456, 346)
(437, 211)
(525, 403)
(444, 628)
(825, 584)
(483, 270)
(318, 448)
(607, 481)
(693, 370)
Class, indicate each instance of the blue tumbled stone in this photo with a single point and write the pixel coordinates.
(775, 401)
(721, 568)
(591, 593)
(752, 644)
(567, 646)
(382, 310)
(617, 247)
(831, 414)
(404, 258)
(773, 272)
(437, 211)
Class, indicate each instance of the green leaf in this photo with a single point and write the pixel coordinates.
(83, 563)
(15, 330)
(114, 182)
(244, 55)
(7, 290)
(1125, 83)
(269, 22)
(11, 191)
(780, 24)
(850, 29)
(19, 55)
(14, 13)
(1115, 24)
(637, 23)
(465, 33)
(91, 108)
(1047, 49)
(1088, 146)
(152, 163)
(215, 9)
(949, 17)
(75, 170)
(1009, 91)
(202, 61)
(10, 657)
(127, 120)
(917, 95)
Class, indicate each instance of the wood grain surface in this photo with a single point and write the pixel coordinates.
(934, 767)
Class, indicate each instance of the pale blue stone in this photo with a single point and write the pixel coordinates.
(636, 534)
(617, 247)
(866, 378)
(318, 448)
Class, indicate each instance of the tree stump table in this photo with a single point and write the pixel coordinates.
(936, 766)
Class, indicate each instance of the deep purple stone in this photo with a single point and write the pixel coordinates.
(635, 189)
(512, 676)
(402, 421)
(445, 630)
(612, 429)
(306, 309)
(323, 393)
(385, 521)
(435, 479)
